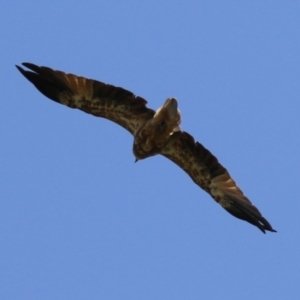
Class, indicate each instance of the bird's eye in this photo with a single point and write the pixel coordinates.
(161, 125)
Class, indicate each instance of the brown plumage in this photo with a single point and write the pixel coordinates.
(154, 133)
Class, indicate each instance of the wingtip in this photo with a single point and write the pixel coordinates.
(249, 213)
(263, 225)
(270, 230)
(24, 64)
(266, 225)
(19, 68)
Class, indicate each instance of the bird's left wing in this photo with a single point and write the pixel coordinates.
(91, 96)
(205, 170)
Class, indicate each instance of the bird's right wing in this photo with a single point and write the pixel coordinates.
(91, 96)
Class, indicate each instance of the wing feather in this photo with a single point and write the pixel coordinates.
(91, 96)
(205, 170)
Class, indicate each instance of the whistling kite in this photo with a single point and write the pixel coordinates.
(154, 133)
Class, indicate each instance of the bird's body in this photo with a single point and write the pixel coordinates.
(154, 133)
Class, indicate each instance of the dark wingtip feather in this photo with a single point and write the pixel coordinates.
(48, 87)
(22, 71)
(248, 213)
(30, 66)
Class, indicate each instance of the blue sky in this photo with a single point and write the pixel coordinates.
(80, 220)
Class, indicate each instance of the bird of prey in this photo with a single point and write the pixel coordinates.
(154, 132)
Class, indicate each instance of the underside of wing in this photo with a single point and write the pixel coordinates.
(91, 96)
(205, 170)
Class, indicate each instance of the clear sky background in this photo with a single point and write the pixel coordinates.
(80, 220)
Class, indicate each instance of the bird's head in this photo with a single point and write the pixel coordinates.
(167, 118)
(154, 135)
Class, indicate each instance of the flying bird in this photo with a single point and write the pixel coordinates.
(154, 132)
